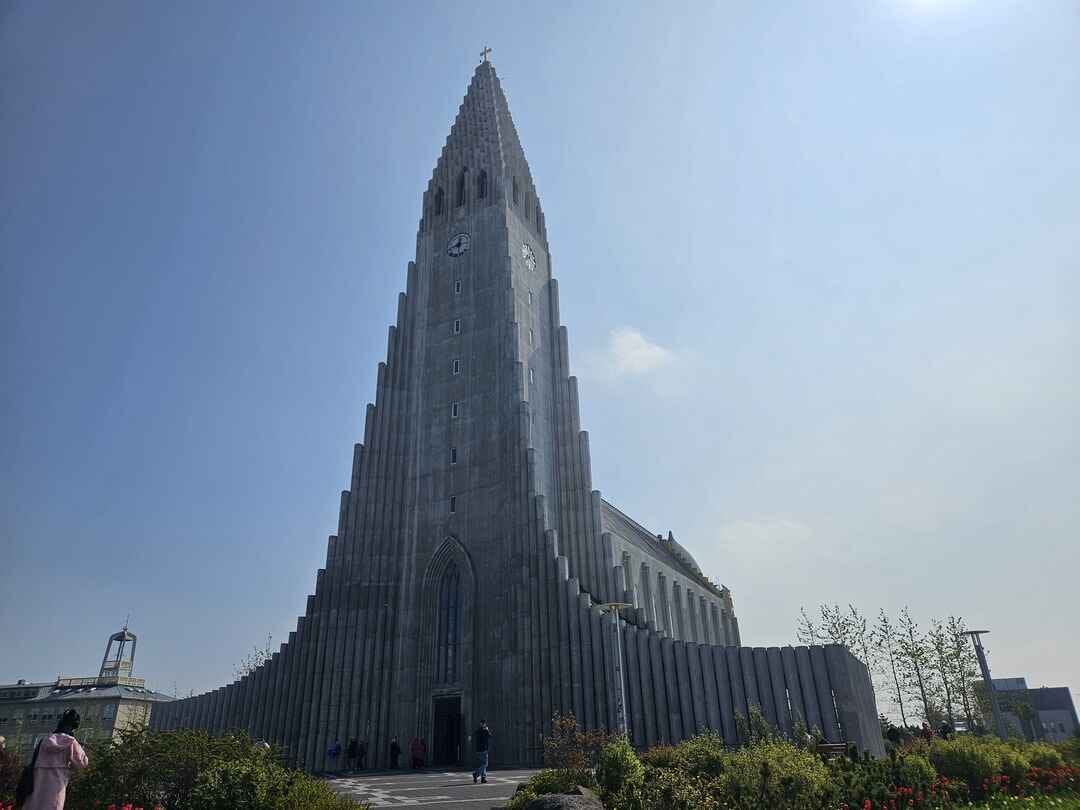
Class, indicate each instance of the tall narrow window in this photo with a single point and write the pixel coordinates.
(456, 366)
(532, 376)
(539, 218)
(481, 185)
(455, 410)
(448, 635)
(530, 298)
(526, 205)
(453, 455)
(457, 326)
(439, 201)
(515, 187)
(453, 504)
(461, 187)
(532, 337)
(457, 287)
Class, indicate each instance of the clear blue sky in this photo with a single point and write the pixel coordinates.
(819, 266)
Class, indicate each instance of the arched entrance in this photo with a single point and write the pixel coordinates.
(446, 649)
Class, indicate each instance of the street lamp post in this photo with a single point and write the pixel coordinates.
(620, 695)
(999, 721)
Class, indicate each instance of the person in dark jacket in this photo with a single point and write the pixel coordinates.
(361, 753)
(481, 742)
(395, 752)
(352, 751)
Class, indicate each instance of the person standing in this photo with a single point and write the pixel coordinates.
(395, 752)
(482, 739)
(352, 751)
(361, 753)
(54, 759)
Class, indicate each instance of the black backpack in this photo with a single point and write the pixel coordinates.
(26, 779)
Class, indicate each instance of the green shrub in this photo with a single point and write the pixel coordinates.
(1042, 755)
(775, 774)
(10, 769)
(552, 780)
(966, 758)
(619, 772)
(192, 770)
(913, 771)
(673, 789)
(659, 756)
(1014, 762)
(703, 755)
(1070, 750)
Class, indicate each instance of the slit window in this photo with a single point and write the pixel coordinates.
(532, 337)
(453, 455)
(481, 185)
(532, 376)
(439, 201)
(530, 298)
(453, 504)
(456, 366)
(455, 410)
(461, 187)
(515, 189)
(457, 287)
(457, 326)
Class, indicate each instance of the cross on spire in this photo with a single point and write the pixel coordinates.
(484, 53)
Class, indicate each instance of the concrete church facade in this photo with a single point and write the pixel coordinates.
(472, 553)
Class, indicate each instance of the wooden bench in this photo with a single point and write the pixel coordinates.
(831, 750)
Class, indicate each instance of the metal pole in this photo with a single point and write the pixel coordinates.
(620, 696)
(980, 654)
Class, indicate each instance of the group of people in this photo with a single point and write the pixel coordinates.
(356, 753)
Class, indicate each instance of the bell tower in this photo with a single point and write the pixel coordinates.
(119, 658)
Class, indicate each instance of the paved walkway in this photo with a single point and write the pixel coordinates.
(446, 790)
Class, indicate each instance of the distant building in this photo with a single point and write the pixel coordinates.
(1047, 713)
(111, 702)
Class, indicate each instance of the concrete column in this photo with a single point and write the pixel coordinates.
(697, 687)
(738, 690)
(779, 689)
(671, 689)
(724, 692)
(830, 727)
(791, 678)
(708, 677)
(588, 681)
(809, 689)
(764, 684)
(632, 673)
(648, 701)
(686, 696)
(659, 689)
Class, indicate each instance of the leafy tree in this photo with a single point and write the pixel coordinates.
(884, 636)
(964, 666)
(913, 660)
(940, 666)
(807, 632)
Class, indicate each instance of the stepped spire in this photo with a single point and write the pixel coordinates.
(482, 160)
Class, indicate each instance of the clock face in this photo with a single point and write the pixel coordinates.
(458, 244)
(528, 256)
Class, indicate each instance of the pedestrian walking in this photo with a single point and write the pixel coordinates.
(352, 751)
(43, 785)
(395, 752)
(333, 752)
(418, 750)
(481, 741)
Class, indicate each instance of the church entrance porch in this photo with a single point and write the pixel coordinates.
(447, 731)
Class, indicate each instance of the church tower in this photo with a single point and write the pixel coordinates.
(473, 557)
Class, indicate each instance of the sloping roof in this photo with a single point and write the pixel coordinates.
(102, 693)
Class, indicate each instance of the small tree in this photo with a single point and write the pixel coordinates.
(913, 659)
(807, 631)
(883, 637)
(255, 659)
(963, 664)
(940, 667)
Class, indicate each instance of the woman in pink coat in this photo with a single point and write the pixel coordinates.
(58, 754)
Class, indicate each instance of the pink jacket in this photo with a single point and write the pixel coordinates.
(58, 756)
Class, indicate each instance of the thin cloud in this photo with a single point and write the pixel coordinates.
(627, 353)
